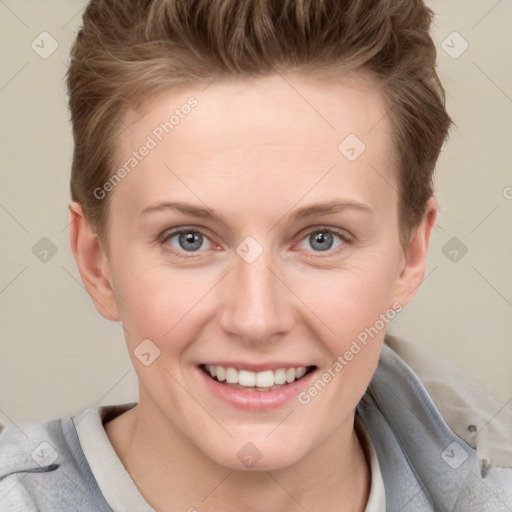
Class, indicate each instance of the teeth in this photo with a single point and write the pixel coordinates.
(246, 378)
(231, 376)
(265, 379)
(221, 373)
(280, 376)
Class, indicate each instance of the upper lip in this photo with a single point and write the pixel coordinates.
(256, 367)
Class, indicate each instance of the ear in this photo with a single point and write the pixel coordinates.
(92, 264)
(415, 257)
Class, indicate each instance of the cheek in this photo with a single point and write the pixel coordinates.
(169, 306)
(355, 305)
(158, 303)
(352, 300)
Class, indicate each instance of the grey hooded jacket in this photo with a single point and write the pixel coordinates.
(426, 465)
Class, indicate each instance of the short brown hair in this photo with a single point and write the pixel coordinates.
(128, 50)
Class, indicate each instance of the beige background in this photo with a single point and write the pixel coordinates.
(57, 355)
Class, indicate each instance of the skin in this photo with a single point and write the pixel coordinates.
(254, 151)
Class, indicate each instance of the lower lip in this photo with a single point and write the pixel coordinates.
(256, 400)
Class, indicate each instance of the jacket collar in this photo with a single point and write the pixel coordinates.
(425, 465)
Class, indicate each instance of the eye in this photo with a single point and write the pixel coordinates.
(188, 240)
(322, 240)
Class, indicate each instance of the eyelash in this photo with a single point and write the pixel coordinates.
(167, 235)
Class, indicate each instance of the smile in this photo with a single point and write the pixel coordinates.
(267, 380)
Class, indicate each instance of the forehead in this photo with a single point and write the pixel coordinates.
(258, 134)
(319, 111)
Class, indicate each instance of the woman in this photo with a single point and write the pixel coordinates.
(252, 198)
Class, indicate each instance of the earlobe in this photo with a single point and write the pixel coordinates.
(415, 256)
(92, 263)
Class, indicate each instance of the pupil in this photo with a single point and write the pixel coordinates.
(321, 241)
(190, 241)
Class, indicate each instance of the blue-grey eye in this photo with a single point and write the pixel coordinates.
(189, 241)
(321, 240)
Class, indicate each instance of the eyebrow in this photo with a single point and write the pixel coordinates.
(330, 207)
(189, 209)
(302, 213)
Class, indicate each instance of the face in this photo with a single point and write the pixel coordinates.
(255, 236)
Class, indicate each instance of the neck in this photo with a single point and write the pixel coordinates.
(173, 475)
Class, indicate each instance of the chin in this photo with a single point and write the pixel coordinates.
(258, 454)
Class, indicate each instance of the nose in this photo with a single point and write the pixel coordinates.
(256, 305)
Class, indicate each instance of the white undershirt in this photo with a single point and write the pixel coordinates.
(121, 493)
(377, 498)
(115, 483)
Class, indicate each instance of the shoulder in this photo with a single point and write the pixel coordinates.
(475, 415)
(428, 425)
(42, 467)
